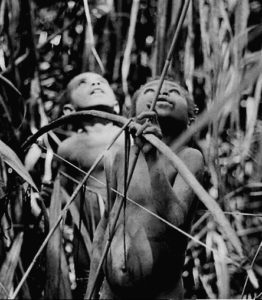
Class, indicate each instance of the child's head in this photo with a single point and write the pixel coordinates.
(173, 101)
(89, 90)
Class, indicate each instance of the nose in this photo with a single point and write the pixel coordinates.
(94, 83)
(164, 92)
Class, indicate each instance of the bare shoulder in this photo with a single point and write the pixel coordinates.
(193, 158)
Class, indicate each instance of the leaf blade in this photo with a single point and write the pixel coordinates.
(13, 161)
(8, 268)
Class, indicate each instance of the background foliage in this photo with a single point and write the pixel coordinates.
(43, 44)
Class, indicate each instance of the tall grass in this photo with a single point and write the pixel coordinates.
(231, 144)
(228, 131)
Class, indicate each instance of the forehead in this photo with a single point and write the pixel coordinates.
(89, 77)
(168, 83)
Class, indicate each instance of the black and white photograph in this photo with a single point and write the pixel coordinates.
(130, 149)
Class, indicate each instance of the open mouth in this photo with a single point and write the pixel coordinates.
(163, 101)
(97, 91)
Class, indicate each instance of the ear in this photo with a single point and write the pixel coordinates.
(68, 109)
(116, 108)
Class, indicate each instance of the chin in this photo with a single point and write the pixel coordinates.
(163, 113)
(104, 108)
(98, 102)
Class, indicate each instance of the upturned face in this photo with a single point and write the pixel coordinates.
(90, 89)
(171, 101)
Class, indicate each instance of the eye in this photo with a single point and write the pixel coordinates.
(102, 80)
(175, 91)
(82, 81)
(149, 90)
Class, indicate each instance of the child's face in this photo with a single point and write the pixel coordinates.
(170, 103)
(90, 89)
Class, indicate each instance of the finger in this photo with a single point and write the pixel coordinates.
(153, 130)
(133, 128)
(146, 115)
(139, 142)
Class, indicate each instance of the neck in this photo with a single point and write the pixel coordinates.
(96, 120)
(171, 129)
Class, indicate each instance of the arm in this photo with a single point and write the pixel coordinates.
(161, 189)
(180, 210)
(174, 199)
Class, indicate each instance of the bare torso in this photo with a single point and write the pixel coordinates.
(146, 255)
(82, 149)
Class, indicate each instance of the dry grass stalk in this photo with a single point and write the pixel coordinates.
(160, 44)
(90, 41)
(9, 266)
(128, 50)
(189, 64)
(76, 217)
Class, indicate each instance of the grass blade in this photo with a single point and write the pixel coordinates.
(57, 278)
(9, 266)
(10, 158)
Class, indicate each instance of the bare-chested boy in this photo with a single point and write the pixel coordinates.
(87, 91)
(146, 256)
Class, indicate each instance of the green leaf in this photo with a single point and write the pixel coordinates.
(10, 158)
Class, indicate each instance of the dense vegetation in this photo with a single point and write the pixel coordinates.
(43, 44)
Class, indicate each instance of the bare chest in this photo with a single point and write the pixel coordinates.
(83, 148)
